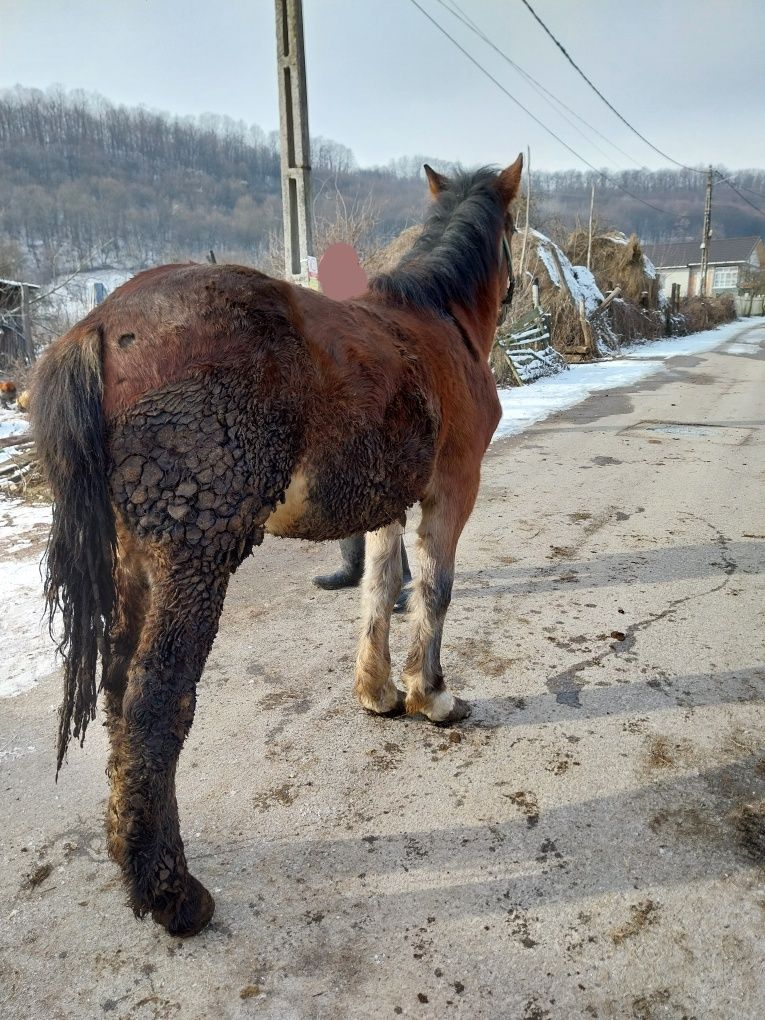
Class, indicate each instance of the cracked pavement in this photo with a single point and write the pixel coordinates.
(591, 843)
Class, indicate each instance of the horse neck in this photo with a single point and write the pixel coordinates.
(479, 317)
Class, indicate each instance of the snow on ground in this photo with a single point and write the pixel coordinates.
(12, 423)
(522, 407)
(28, 651)
(71, 297)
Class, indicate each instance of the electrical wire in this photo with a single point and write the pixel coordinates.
(597, 91)
(757, 194)
(501, 87)
(724, 180)
(454, 9)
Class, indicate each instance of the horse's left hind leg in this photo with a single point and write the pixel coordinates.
(157, 713)
(381, 585)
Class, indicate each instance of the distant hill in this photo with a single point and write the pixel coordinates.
(87, 183)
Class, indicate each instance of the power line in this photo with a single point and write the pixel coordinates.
(536, 120)
(597, 91)
(724, 180)
(458, 13)
(757, 194)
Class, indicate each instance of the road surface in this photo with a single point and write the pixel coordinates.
(590, 844)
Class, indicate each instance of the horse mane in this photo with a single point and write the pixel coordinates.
(456, 255)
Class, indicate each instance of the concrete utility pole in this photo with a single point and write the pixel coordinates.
(706, 236)
(294, 140)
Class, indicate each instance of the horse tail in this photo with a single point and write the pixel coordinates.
(70, 436)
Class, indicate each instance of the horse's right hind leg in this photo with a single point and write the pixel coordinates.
(157, 713)
(444, 513)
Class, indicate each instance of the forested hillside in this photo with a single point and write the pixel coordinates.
(84, 183)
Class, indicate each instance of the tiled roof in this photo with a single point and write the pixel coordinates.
(688, 253)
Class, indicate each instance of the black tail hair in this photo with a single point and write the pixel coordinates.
(70, 435)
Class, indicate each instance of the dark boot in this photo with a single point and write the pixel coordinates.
(352, 570)
(402, 602)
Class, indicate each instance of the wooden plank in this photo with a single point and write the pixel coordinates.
(22, 439)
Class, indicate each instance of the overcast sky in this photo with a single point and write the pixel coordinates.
(688, 74)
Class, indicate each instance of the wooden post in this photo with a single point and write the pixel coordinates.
(26, 324)
(535, 291)
(526, 227)
(589, 340)
(589, 235)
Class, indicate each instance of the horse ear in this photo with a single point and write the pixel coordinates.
(509, 180)
(436, 182)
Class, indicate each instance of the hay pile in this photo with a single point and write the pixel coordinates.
(618, 261)
(561, 288)
(381, 260)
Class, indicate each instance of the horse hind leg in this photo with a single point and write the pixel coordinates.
(380, 587)
(157, 713)
(444, 513)
(131, 607)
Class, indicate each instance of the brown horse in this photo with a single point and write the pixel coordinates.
(200, 406)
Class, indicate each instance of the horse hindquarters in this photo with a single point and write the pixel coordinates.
(191, 506)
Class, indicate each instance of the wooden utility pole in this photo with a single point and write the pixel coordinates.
(589, 233)
(706, 235)
(294, 140)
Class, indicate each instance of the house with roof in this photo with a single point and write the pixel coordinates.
(732, 262)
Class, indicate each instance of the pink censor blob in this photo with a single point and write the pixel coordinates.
(340, 275)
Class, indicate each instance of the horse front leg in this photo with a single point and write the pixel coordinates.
(157, 713)
(444, 513)
(381, 586)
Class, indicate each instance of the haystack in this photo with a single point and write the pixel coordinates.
(618, 261)
(382, 260)
(563, 288)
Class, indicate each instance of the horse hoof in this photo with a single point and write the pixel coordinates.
(191, 916)
(460, 710)
(399, 708)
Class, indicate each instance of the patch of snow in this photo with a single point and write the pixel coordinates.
(28, 651)
(649, 268)
(73, 297)
(12, 423)
(578, 279)
(585, 287)
(525, 406)
(549, 264)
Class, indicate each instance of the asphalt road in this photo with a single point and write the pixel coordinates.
(591, 843)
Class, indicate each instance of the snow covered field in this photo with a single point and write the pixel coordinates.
(28, 653)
